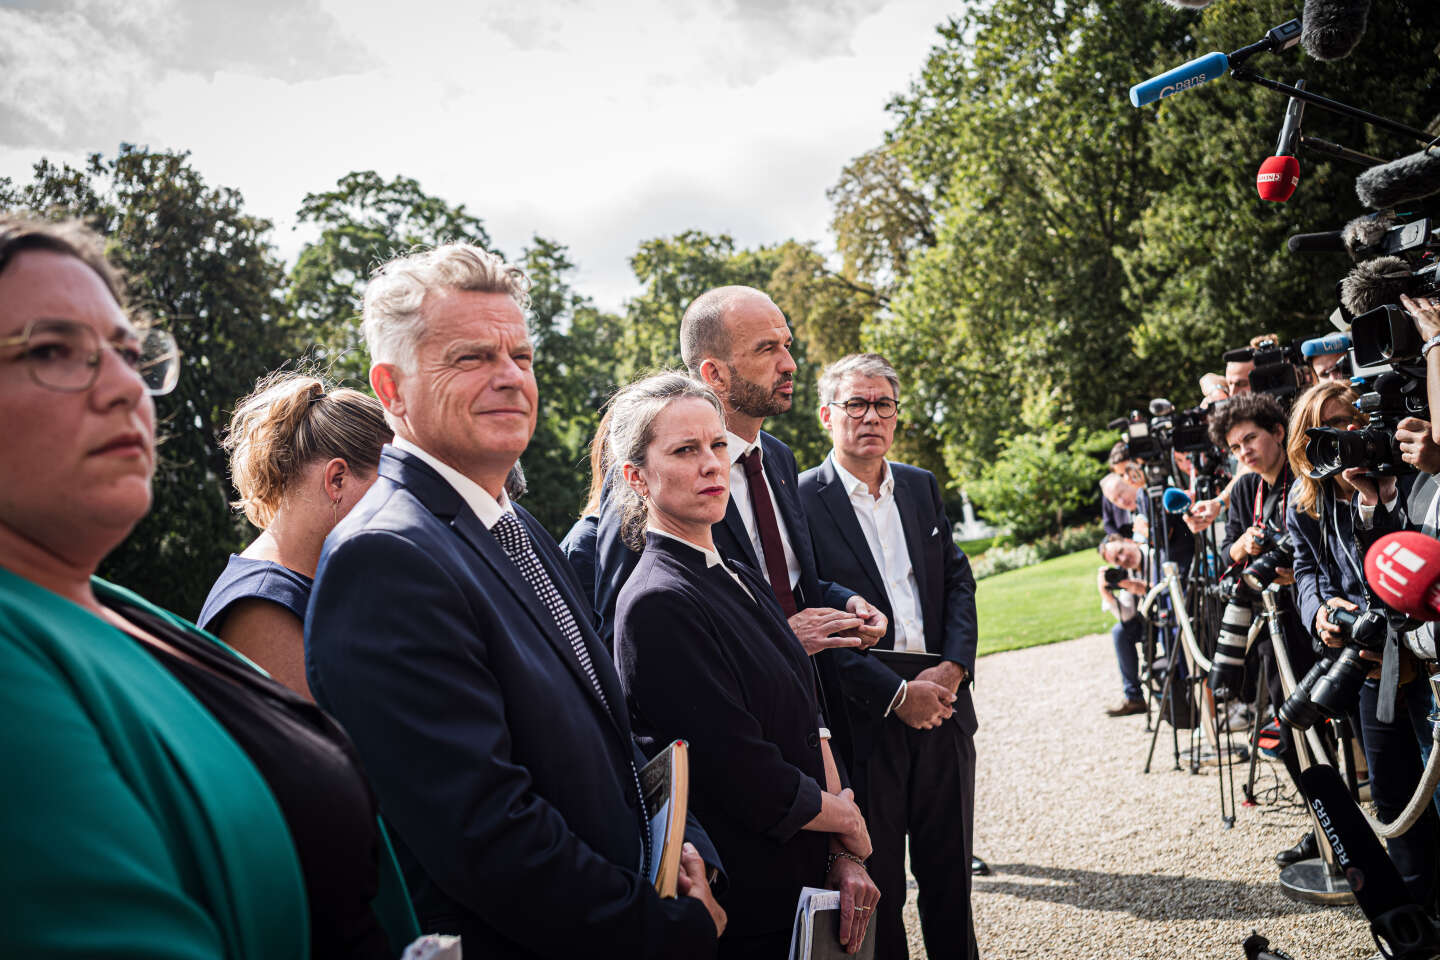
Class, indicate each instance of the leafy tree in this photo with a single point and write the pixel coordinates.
(1036, 480)
(1211, 270)
(883, 215)
(364, 221)
(575, 350)
(203, 268)
(1015, 318)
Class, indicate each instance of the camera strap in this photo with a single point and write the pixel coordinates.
(1267, 504)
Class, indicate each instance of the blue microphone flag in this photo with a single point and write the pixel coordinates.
(1187, 75)
(1175, 500)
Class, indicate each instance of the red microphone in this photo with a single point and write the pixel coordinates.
(1404, 571)
(1280, 174)
(1278, 178)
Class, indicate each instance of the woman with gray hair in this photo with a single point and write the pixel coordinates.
(706, 655)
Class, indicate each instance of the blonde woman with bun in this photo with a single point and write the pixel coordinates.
(300, 457)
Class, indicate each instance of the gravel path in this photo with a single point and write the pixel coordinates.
(1093, 858)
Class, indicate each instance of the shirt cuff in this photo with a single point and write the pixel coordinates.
(896, 700)
(1365, 515)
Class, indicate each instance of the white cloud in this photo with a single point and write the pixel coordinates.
(595, 125)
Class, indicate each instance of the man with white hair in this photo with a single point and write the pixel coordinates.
(448, 635)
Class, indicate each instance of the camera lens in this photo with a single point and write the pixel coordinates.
(1299, 710)
(1337, 690)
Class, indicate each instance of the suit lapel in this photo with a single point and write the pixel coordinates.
(473, 532)
(734, 527)
(842, 514)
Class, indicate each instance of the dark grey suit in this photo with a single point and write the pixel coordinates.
(916, 781)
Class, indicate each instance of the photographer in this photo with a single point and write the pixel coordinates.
(1329, 576)
(1252, 428)
(1119, 585)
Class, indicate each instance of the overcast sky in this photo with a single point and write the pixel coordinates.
(596, 124)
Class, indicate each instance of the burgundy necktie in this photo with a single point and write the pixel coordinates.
(770, 541)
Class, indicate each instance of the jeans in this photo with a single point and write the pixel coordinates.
(1128, 634)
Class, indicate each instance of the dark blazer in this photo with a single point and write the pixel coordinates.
(578, 546)
(703, 662)
(942, 573)
(1327, 564)
(505, 778)
(614, 562)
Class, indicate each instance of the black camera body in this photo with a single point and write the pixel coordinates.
(1332, 684)
(1394, 395)
(1280, 369)
(1113, 576)
(1227, 670)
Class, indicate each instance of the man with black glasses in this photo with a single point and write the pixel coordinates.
(880, 527)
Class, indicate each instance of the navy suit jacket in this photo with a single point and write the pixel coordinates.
(614, 562)
(942, 573)
(505, 779)
(703, 662)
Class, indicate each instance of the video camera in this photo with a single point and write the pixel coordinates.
(1280, 369)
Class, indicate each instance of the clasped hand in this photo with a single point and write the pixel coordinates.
(859, 625)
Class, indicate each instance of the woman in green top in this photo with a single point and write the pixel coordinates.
(163, 797)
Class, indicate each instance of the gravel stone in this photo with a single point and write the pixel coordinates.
(1092, 858)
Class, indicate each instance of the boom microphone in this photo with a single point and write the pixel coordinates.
(1400, 181)
(1280, 175)
(1362, 236)
(1404, 571)
(1332, 28)
(1175, 500)
(1277, 178)
(1187, 75)
(1375, 283)
(1331, 241)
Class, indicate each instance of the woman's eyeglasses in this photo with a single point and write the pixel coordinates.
(65, 355)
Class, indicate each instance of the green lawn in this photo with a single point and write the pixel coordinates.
(1054, 600)
(973, 548)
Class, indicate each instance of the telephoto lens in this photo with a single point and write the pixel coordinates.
(1336, 691)
(1331, 451)
(1265, 568)
(1227, 667)
(1298, 710)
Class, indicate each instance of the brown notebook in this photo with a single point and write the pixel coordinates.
(665, 788)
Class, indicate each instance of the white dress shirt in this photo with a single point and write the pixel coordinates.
(476, 497)
(740, 493)
(879, 518)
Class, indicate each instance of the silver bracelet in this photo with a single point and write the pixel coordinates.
(1425, 347)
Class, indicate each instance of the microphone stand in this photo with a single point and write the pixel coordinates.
(1317, 880)
(1325, 103)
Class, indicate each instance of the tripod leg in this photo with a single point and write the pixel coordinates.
(1165, 693)
(1261, 694)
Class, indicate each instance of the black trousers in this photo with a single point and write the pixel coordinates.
(1393, 752)
(922, 782)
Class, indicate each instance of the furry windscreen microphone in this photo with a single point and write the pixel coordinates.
(1362, 235)
(1375, 283)
(1400, 181)
(1332, 28)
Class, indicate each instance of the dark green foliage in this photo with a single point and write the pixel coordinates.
(364, 221)
(204, 269)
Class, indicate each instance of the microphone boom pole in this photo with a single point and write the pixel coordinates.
(1334, 106)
